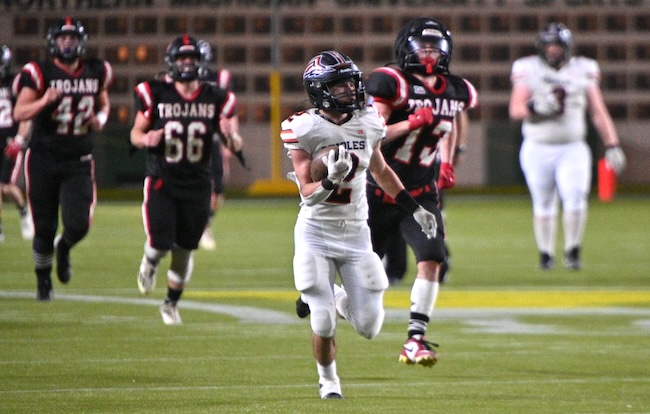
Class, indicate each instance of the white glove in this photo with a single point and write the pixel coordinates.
(427, 221)
(545, 105)
(338, 169)
(615, 158)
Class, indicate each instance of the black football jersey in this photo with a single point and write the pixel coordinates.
(412, 156)
(182, 158)
(8, 126)
(61, 128)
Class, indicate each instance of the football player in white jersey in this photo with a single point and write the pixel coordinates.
(552, 92)
(331, 233)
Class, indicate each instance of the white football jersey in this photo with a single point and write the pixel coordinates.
(574, 77)
(361, 134)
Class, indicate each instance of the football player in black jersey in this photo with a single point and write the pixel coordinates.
(175, 122)
(419, 100)
(66, 97)
(12, 139)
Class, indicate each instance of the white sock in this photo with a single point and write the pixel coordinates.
(327, 373)
(423, 296)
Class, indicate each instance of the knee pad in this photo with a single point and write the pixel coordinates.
(154, 254)
(369, 324)
(323, 321)
(181, 266)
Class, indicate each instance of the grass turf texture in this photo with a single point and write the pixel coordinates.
(513, 339)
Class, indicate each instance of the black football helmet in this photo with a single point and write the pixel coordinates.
(183, 46)
(6, 58)
(67, 26)
(327, 68)
(413, 35)
(556, 33)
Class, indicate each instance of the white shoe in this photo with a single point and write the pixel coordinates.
(146, 276)
(170, 315)
(27, 226)
(330, 389)
(207, 241)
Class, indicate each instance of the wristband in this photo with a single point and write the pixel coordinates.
(19, 139)
(101, 118)
(327, 184)
(408, 203)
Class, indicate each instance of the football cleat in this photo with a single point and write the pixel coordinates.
(207, 241)
(330, 390)
(419, 351)
(26, 226)
(546, 262)
(146, 276)
(572, 259)
(63, 268)
(44, 290)
(302, 309)
(170, 315)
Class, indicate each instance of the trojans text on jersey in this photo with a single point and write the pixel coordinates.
(186, 110)
(90, 86)
(439, 106)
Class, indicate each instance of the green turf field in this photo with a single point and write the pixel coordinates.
(512, 339)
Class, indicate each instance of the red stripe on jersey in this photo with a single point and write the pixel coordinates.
(144, 94)
(473, 95)
(223, 79)
(36, 75)
(229, 106)
(109, 77)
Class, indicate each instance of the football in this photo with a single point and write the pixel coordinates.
(318, 167)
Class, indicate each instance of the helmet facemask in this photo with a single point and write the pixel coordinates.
(180, 67)
(418, 35)
(67, 47)
(185, 69)
(557, 34)
(328, 69)
(345, 101)
(426, 65)
(66, 40)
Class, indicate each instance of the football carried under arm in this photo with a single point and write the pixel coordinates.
(338, 165)
(330, 165)
(545, 105)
